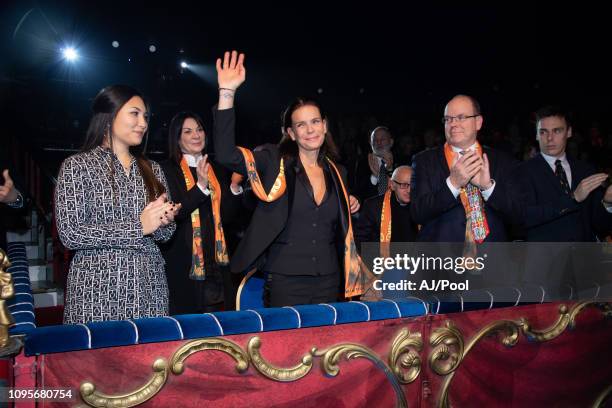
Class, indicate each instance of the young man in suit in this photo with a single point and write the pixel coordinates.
(563, 198)
(463, 191)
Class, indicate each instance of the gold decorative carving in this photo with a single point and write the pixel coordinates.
(567, 318)
(274, 372)
(603, 398)
(331, 358)
(447, 343)
(97, 399)
(7, 291)
(403, 358)
(177, 363)
(510, 330)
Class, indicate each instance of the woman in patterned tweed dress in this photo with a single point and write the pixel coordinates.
(111, 207)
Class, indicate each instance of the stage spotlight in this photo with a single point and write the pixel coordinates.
(115, 44)
(184, 64)
(152, 48)
(70, 54)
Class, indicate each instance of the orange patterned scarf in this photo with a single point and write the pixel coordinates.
(357, 277)
(197, 271)
(476, 226)
(385, 224)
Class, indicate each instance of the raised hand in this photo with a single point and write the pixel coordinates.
(231, 72)
(587, 185)
(8, 193)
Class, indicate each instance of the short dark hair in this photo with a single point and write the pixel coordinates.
(288, 147)
(553, 110)
(174, 133)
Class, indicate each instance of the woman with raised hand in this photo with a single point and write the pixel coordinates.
(111, 207)
(300, 234)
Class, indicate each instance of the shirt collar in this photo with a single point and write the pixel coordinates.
(192, 160)
(552, 159)
(458, 149)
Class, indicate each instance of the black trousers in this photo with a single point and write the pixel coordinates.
(289, 290)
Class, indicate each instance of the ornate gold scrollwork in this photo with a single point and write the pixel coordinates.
(403, 358)
(511, 330)
(7, 291)
(603, 398)
(331, 358)
(567, 318)
(443, 339)
(177, 363)
(277, 373)
(160, 368)
(97, 399)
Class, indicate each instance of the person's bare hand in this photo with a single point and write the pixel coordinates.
(8, 193)
(465, 168)
(587, 185)
(230, 71)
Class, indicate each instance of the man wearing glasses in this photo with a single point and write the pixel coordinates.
(394, 204)
(462, 191)
(372, 175)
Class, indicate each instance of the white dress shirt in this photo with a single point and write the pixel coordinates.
(564, 163)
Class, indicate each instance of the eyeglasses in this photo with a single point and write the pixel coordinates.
(403, 186)
(459, 118)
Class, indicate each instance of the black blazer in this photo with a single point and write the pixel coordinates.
(178, 250)
(269, 219)
(442, 215)
(550, 215)
(367, 226)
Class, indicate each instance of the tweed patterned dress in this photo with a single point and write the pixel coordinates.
(116, 273)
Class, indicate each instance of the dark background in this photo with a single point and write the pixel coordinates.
(392, 64)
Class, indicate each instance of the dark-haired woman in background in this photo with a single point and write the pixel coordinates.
(111, 206)
(197, 255)
(300, 233)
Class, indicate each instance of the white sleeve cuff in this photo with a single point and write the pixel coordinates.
(373, 179)
(18, 203)
(607, 206)
(452, 188)
(205, 190)
(487, 193)
(239, 191)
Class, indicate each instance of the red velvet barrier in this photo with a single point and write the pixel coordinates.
(570, 370)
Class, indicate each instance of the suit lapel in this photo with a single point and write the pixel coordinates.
(545, 169)
(493, 163)
(443, 164)
(577, 173)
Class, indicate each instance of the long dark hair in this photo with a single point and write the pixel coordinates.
(105, 107)
(289, 148)
(174, 134)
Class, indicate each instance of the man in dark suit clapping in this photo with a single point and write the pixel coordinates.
(462, 191)
(563, 198)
